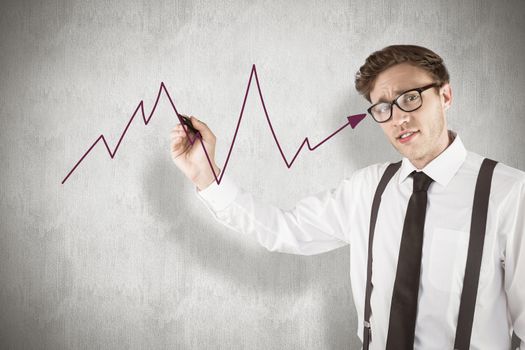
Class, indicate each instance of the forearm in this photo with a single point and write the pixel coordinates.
(311, 227)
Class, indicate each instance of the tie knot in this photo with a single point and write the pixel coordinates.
(421, 181)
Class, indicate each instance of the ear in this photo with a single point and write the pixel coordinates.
(445, 94)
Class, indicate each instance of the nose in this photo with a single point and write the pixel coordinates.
(399, 116)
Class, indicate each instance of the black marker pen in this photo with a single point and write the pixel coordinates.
(186, 120)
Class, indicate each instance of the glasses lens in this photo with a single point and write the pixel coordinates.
(381, 111)
(410, 101)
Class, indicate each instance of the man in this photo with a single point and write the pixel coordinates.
(408, 87)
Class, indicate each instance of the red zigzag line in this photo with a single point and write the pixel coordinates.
(352, 120)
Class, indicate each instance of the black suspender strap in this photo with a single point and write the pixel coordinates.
(387, 175)
(478, 225)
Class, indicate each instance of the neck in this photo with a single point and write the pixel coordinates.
(420, 163)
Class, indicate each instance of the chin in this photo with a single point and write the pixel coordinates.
(409, 155)
(401, 150)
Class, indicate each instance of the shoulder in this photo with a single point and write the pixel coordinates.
(509, 175)
(360, 186)
(506, 180)
(368, 177)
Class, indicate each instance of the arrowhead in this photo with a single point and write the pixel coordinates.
(353, 120)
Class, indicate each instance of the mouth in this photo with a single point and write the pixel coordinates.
(407, 136)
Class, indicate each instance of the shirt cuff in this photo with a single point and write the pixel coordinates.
(218, 197)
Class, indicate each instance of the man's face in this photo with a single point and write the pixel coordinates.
(428, 123)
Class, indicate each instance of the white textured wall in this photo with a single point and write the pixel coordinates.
(123, 255)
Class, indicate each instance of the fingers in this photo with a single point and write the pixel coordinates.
(178, 149)
(206, 133)
(180, 139)
(179, 142)
(178, 135)
(180, 127)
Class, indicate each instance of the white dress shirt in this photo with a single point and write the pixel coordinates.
(340, 216)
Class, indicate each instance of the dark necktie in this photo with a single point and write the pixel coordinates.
(403, 310)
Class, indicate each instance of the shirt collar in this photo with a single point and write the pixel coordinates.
(442, 168)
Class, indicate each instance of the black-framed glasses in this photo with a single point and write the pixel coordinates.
(407, 101)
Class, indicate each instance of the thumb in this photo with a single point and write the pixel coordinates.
(206, 133)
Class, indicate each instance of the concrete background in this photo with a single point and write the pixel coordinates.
(123, 255)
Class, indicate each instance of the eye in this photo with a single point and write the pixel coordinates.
(411, 96)
(382, 108)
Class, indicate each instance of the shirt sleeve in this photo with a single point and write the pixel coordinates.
(315, 224)
(515, 261)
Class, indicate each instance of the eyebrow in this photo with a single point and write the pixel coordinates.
(383, 99)
(396, 94)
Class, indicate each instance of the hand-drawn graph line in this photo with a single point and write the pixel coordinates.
(352, 120)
